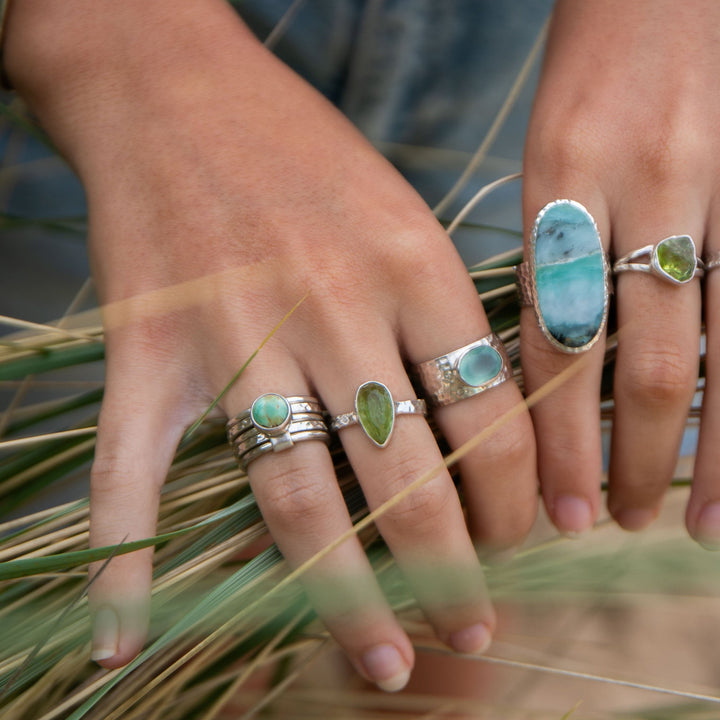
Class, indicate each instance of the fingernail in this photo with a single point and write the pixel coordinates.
(473, 640)
(386, 668)
(572, 515)
(106, 629)
(634, 519)
(707, 530)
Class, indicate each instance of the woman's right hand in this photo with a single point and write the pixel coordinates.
(222, 190)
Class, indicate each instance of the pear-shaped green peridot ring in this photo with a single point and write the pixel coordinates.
(465, 372)
(673, 259)
(375, 412)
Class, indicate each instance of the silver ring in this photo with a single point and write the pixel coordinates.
(375, 412)
(673, 259)
(465, 372)
(712, 261)
(566, 279)
(275, 423)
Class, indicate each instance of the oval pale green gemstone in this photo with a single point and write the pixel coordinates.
(375, 411)
(270, 411)
(676, 257)
(479, 365)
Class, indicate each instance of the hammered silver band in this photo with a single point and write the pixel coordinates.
(465, 372)
(275, 423)
(673, 259)
(417, 406)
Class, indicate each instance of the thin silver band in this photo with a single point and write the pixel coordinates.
(252, 440)
(298, 404)
(445, 380)
(712, 261)
(256, 452)
(416, 406)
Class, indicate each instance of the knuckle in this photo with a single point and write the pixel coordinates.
(423, 509)
(293, 497)
(660, 377)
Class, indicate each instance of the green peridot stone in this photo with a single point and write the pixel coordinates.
(270, 411)
(676, 257)
(479, 365)
(375, 411)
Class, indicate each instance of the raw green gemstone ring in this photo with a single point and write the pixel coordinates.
(465, 372)
(673, 259)
(375, 412)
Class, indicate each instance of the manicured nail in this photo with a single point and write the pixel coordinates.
(473, 640)
(634, 519)
(386, 668)
(572, 515)
(707, 530)
(106, 629)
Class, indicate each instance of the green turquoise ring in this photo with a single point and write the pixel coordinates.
(673, 259)
(465, 372)
(565, 278)
(274, 423)
(375, 412)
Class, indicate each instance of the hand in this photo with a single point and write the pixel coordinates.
(221, 190)
(626, 122)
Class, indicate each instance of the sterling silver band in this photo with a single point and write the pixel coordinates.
(416, 406)
(256, 452)
(465, 372)
(712, 261)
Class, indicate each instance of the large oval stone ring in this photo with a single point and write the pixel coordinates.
(565, 278)
(274, 423)
(375, 412)
(673, 259)
(465, 372)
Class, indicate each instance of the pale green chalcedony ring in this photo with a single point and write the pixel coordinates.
(465, 372)
(375, 412)
(274, 423)
(673, 259)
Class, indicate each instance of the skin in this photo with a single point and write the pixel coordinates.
(221, 190)
(625, 122)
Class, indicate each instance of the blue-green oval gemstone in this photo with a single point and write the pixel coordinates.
(569, 274)
(479, 365)
(270, 411)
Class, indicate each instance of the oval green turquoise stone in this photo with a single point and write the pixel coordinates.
(375, 411)
(270, 411)
(676, 257)
(569, 275)
(479, 365)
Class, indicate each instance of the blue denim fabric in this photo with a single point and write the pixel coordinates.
(422, 74)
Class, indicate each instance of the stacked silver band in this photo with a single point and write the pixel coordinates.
(256, 431)
(465, 372)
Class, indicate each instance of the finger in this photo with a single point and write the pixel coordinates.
(657, 361)
(299, 497)
(567, 425)
(424, 529)
(703, 511)
(499, 477)
(138, 432)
